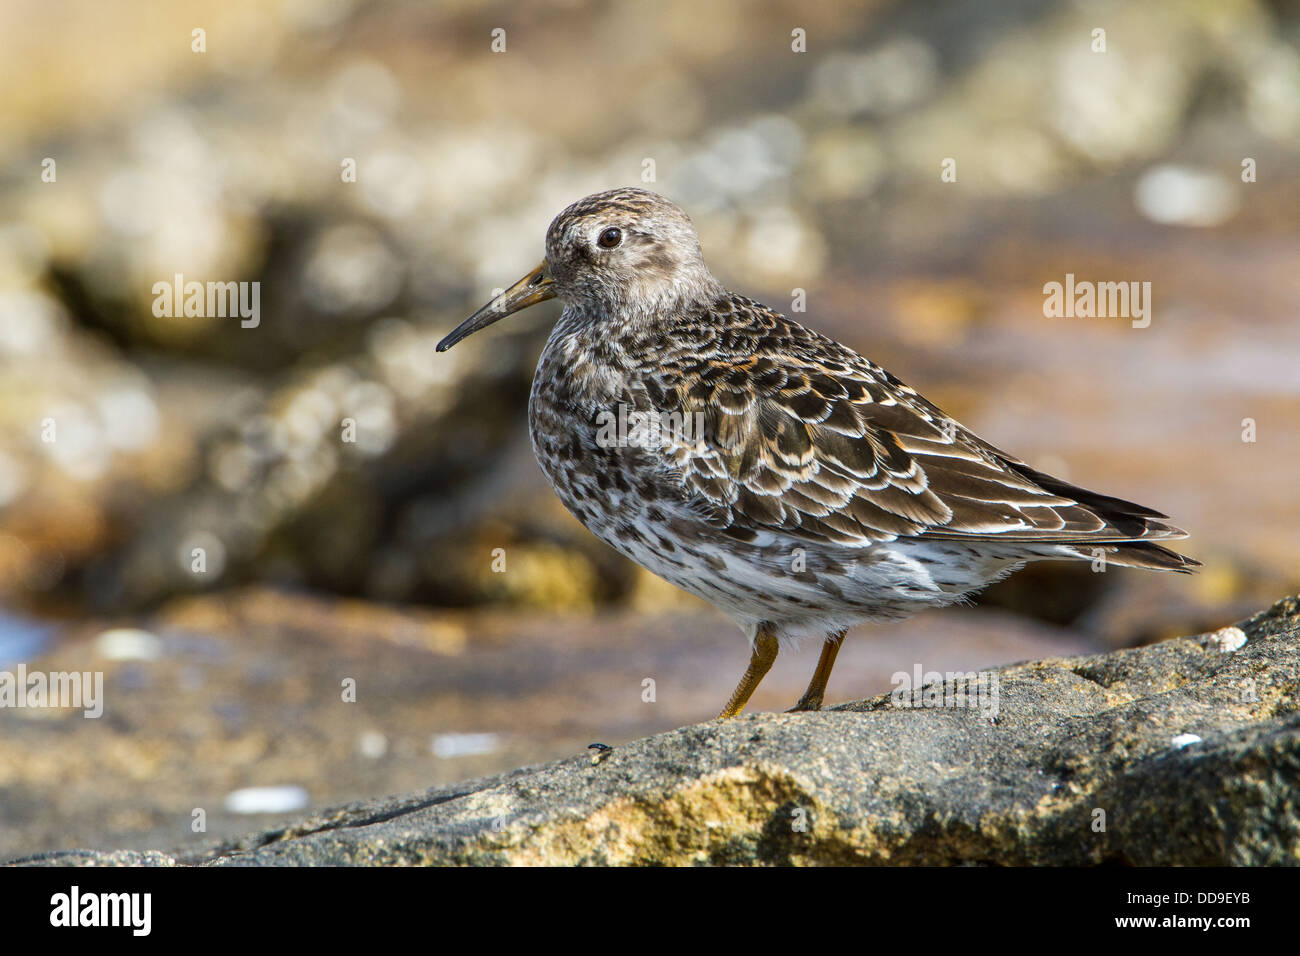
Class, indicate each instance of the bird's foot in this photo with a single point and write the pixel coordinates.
(806, 703)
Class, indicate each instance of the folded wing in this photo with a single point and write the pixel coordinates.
(821, 445)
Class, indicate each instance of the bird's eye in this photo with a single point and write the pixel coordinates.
(610, 237)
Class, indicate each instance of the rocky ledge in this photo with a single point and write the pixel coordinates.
(1182, 752)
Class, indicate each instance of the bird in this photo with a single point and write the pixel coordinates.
(784, 478)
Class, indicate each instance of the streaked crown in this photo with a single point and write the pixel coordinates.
(627, 249)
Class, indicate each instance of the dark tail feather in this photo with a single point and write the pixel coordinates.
(1060, 486)
(1144, 554)
(1128, 518)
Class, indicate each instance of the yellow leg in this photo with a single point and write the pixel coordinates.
(812, 697)
(760, 662)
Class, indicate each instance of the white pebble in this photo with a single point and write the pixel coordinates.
(1185, 740)
(465, 745)
(372, 744)
(266, 799)
(128, 644)
(1180, 196)
(1227, 639)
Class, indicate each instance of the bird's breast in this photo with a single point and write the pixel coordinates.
(587, 437)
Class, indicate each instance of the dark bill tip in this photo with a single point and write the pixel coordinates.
(531, 289)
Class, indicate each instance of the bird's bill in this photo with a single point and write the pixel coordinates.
(531, 289)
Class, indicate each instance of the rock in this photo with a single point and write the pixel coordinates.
(243, 688)
(1073, 762)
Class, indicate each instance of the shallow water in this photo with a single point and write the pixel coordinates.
(22, 638)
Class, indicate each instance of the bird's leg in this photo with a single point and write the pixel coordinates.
(760, 662)
(812, 697)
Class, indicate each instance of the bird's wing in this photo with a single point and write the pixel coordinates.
(822, 445)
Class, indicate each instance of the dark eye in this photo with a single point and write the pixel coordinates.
(610, 237)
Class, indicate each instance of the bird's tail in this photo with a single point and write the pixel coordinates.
(1141, 554)
(1143, 526)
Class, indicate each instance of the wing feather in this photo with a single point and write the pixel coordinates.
(805, 437)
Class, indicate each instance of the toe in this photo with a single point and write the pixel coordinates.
(804, 705)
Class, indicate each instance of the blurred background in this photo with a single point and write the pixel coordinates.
(133, 149)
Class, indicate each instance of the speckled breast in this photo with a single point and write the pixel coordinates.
(588, 450)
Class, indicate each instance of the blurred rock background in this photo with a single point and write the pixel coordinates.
(817, 171)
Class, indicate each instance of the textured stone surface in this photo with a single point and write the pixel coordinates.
(243, 689)
(872, 783)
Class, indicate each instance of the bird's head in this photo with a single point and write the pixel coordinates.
(622, 255)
